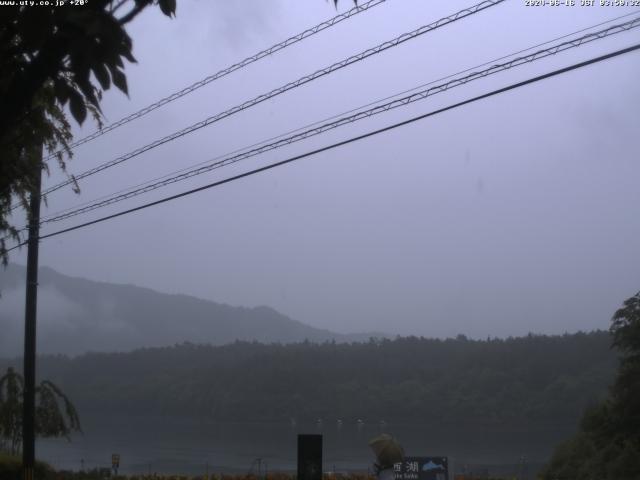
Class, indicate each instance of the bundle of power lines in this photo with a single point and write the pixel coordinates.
(556, 46)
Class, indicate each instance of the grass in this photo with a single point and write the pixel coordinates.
(11, 469)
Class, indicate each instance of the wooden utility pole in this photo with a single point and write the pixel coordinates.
(29, 400)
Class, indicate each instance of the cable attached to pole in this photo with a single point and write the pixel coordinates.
(358, 115)
(222, 73)
(346, 142)
(485, 4)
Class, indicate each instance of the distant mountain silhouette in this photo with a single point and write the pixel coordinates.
(76, 315)
(429, 466)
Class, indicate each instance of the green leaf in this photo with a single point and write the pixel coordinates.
(168, 7)
(61, 91)
(119, 80)
(127, 54)
(90, 95)
(100, 71)
(116, 60)
(125, 48)
(77, 106)
(87, 89)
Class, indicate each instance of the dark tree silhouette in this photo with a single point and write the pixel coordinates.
(47, 57)
(55, 414)
(625, 393)
(607, 445)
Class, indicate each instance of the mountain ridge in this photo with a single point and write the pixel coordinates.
(78, 315)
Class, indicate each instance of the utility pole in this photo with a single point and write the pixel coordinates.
(29, 400)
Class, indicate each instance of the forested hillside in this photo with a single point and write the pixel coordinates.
(513, 381)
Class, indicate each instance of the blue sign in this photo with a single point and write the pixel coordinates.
(422, 468)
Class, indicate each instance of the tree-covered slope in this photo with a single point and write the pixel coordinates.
(504, 382)
(607, 444)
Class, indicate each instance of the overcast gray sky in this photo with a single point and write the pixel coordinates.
(512, 215)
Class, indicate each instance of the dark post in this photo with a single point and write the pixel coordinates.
(309, 457)
(29, 400)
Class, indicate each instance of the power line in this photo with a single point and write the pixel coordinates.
(237, 66)
(192, 171)
(421, 95)
(222, 73)
(318, 122)
(344, 142)
(289, 86)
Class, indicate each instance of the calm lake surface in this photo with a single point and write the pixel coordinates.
(166, 445)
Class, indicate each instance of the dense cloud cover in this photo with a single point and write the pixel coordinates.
(507, 216)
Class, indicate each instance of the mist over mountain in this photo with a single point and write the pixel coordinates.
(76, 315)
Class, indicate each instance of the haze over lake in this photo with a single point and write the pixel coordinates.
(166, 445)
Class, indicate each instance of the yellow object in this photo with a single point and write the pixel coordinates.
(387, 450)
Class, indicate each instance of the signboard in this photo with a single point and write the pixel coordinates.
(309, 457)
(422, 468)
(115, 463)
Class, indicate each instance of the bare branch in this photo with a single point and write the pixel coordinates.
(135, 11)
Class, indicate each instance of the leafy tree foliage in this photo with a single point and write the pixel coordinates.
(48, 55)
(55, 415)
(608, 443)
(534, 380)
(625, 394)
(11, 469)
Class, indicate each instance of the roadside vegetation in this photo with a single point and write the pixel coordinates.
(10, 470)
(607, 445)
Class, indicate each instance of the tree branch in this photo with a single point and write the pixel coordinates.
(117, 7)
(132, 14)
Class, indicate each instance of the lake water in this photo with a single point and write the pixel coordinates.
(166, 445)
